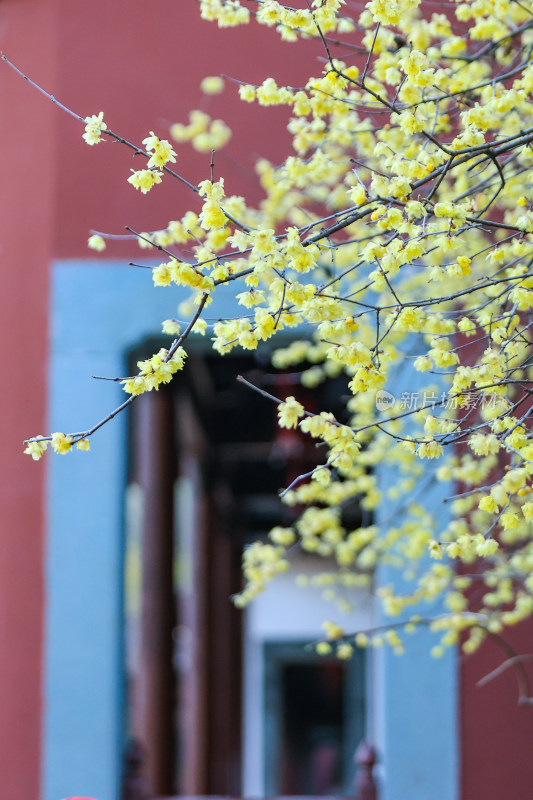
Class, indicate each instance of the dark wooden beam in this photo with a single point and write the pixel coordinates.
(152, 703)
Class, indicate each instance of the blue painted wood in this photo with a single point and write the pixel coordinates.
(417, 717)
(98, 312)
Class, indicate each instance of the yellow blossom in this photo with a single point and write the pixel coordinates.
(61, 443)
(96, 242)
(212, 84)
(144, 179)
(94, 128)
(161, 150)
(36, 448)
(289, 412)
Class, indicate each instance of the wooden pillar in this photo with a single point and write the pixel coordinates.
(153, 701)
(192, 574)
(135, 784)
(225, 647)
(365, 785)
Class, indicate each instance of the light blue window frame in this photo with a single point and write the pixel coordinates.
(99, 311)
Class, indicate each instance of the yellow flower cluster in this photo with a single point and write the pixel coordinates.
(154, 371)
(397, 238)
(61, 443)
(160, 149)
(204, 133)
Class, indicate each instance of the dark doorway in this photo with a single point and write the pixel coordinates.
(314, 719)
(207, 464)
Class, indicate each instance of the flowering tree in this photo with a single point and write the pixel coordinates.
(398, 228)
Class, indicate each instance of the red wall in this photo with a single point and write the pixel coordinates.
(28, 35)
(496, 732)
(141, 64)
(143, 68)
